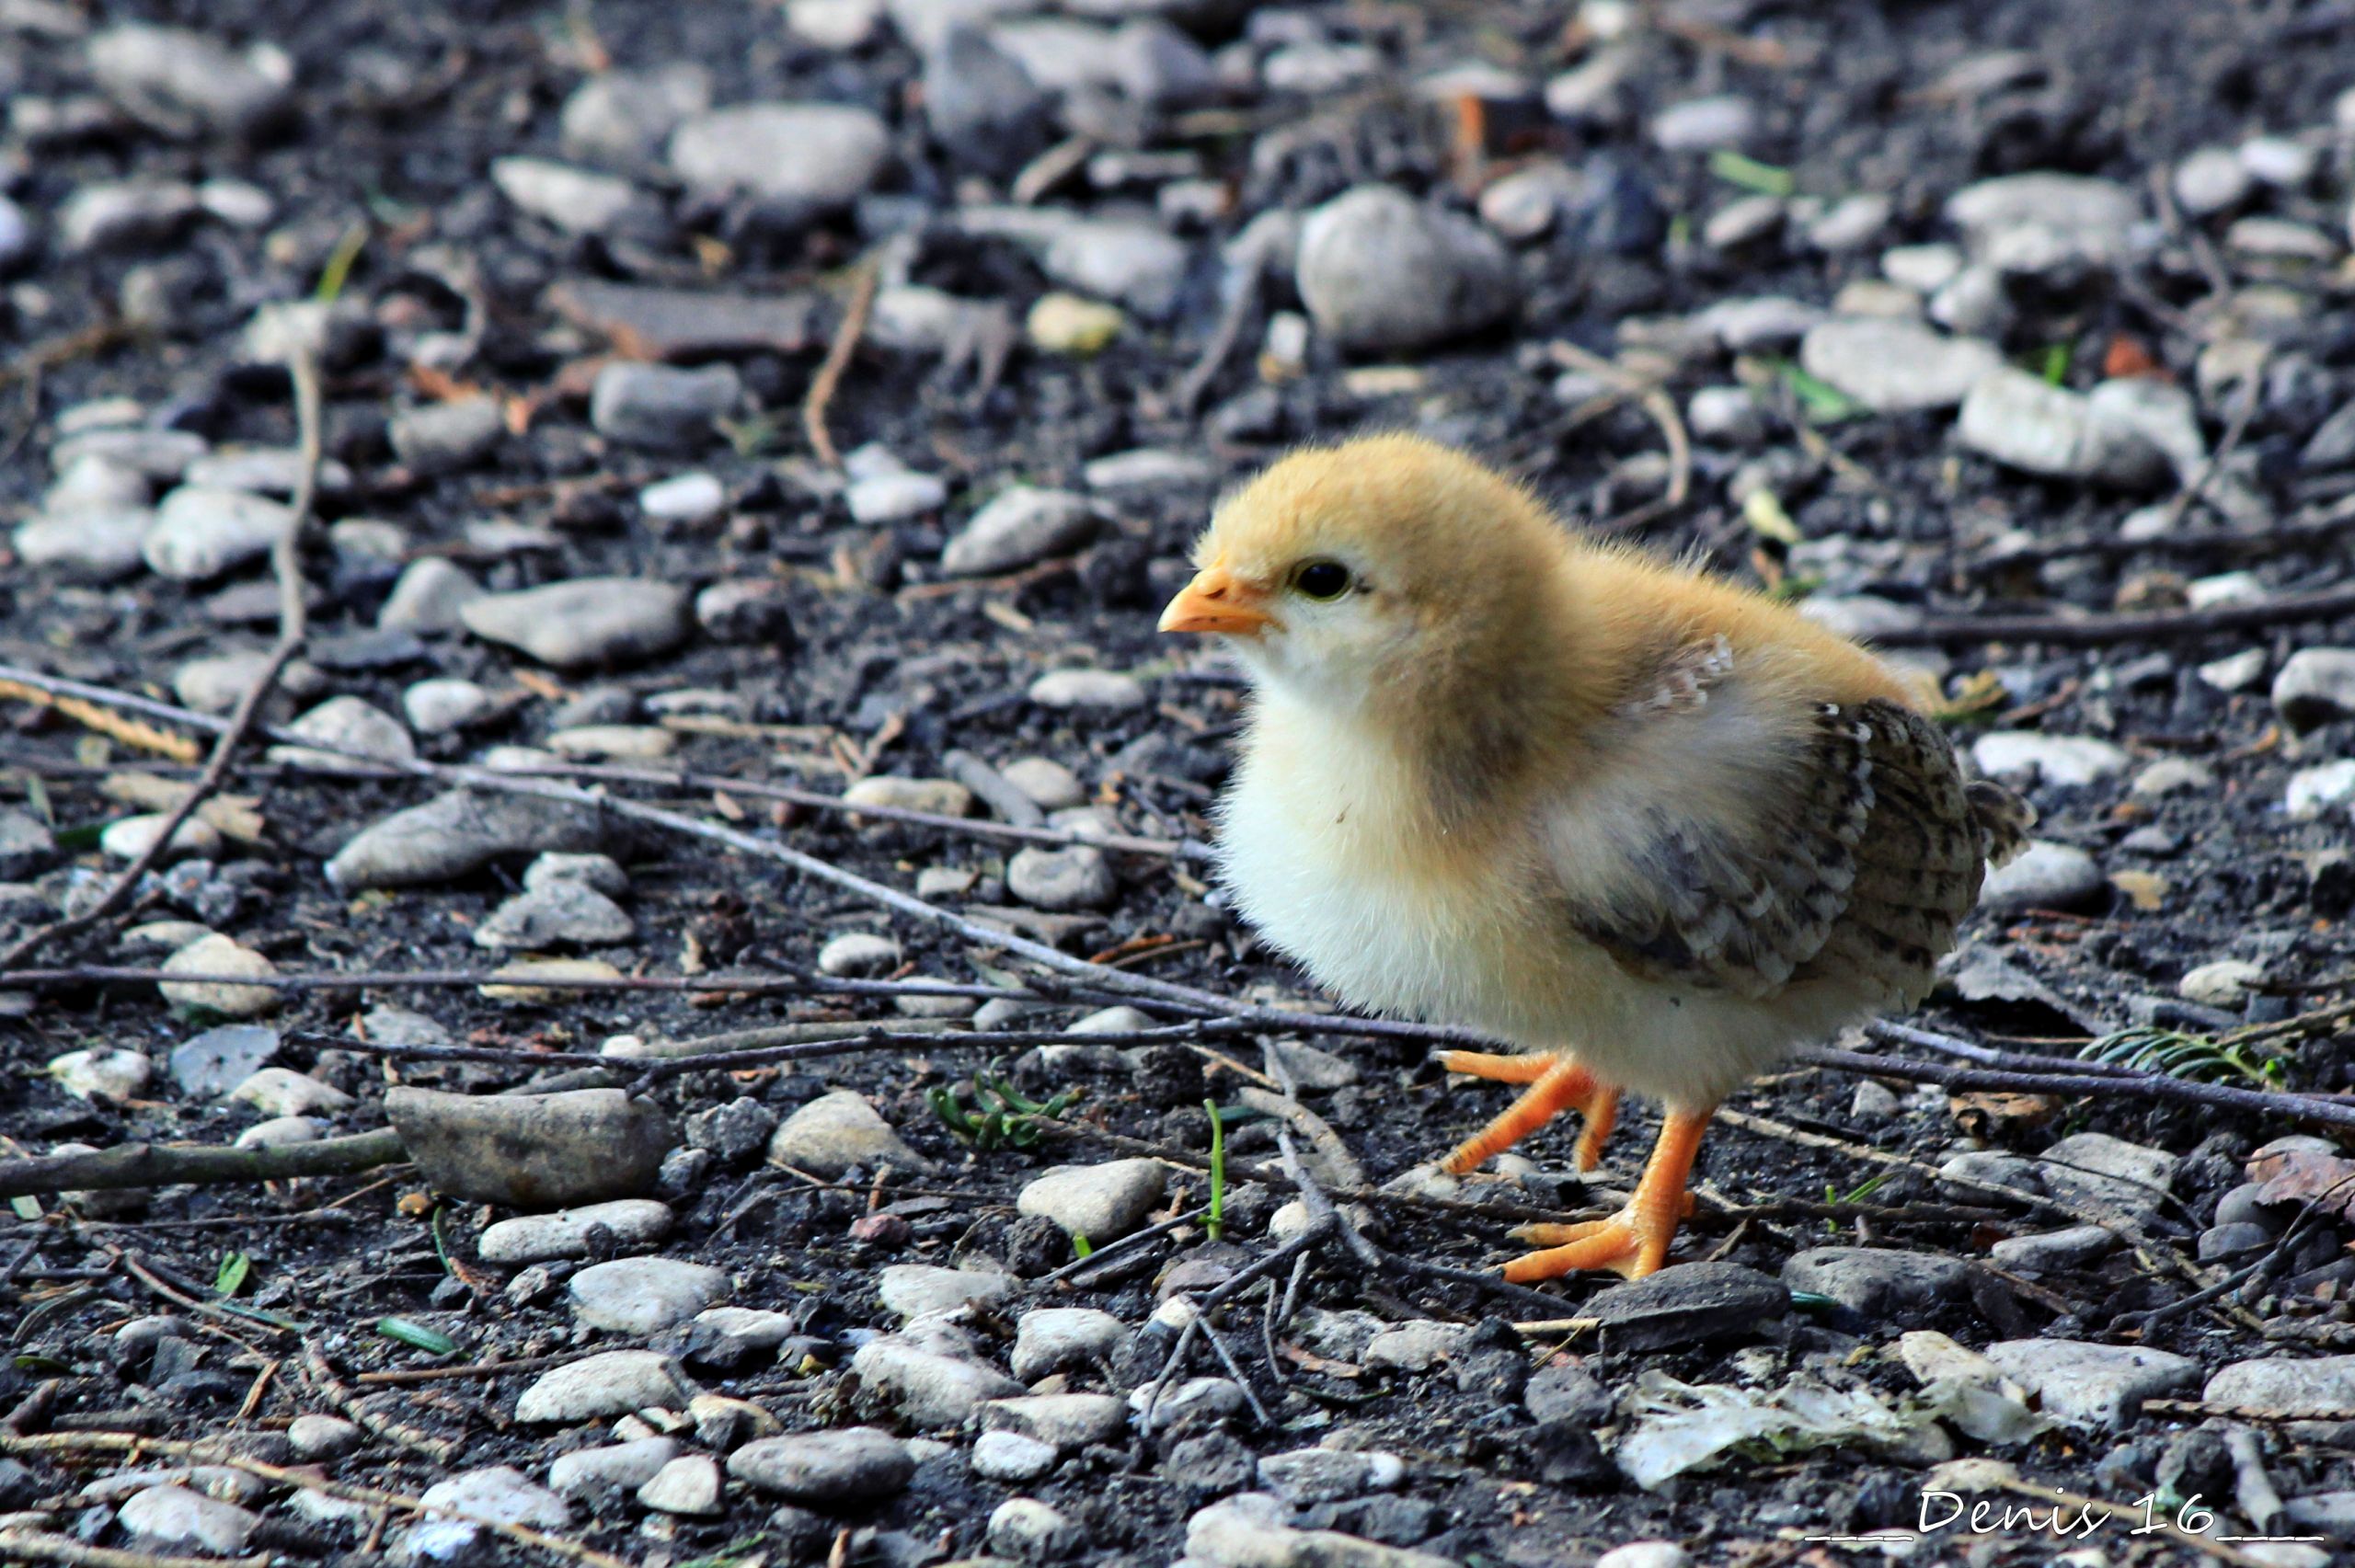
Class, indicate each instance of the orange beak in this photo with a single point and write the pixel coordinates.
(1216, 601)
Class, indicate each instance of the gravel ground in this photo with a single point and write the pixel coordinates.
(772, 405)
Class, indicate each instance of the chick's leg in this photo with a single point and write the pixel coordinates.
(1556, 1084)
(1633, 1242)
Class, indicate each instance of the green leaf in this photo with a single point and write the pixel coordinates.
(231, 1276)
(337, 271)
(42, 1365)
(1763, 509)
(416, 1336)
(1822, 403)
(2055, 369)
(85, 836)
(1810, 1302)
(1082, 1245)
(1214, 1224)
(1766, 179)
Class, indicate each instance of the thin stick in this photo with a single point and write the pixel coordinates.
(161, 1164)
(285, 563)
(33, 1546)
(2304, 1108)
(2100, 631)
(824, 384)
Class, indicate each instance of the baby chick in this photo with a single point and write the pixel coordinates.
(1650, 827)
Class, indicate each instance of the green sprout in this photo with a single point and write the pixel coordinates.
(1001, 1118)
(1766, 179)
(2198, 1057)
(1216, 1220)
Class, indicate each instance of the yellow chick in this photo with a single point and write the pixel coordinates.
(1650, 828)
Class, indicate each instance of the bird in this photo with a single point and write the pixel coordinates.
(1648, 827)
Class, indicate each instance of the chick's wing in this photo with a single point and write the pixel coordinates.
(1764, 850)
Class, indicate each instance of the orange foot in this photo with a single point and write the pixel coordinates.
(1555, 1085)
(1633, 1242)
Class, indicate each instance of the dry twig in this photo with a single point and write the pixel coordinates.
(829, 378)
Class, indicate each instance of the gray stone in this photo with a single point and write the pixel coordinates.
(1304, 1476)
(282, 1092)
(2093, 1385)
(2046, 876)
(2044, 223)
(16, 235)
(1019, 526)
(2172, 775)
(441, 706)
(1102, 1202)
(644, 1295)
(601, 872)
(858, 952)
(836, 1132)
(798, 159)
(2320, 1385)
(1070, 1421)
(753, 610)
(109, 1074)
(542, 1238)
(926, 1387)
(684, 498)
(127, 838)
(185, 84)
(100, 545)
(1382, 273)
(1896, 367)
(2210, 180)
(104, 215)
(2225, 982)
(1851, 224)
(562, 913)
(316, 1437)
(2074, 760)
(2313, 791)
(1090, 691)
(460, 1510)
(1760, 322)
(1743, 221)
(2223, 1244)
(346, 733)
(613, 1383)
(2328, 1514)
(1012, 1460)
(919, 1290)
(1250, 1532)
(1136, 264)
(982, 108)
(217, 1060)
(577, 201)
(662, 407)
(1078, 878)
(688, 1485)
(594, 1474)
(203, 533)
(429, 596)
(736, 1130)
(1687, 1304)
(1028, 1530)
(1876, 1281)
(458, 834)
(443, 437)
(176, 1515)
(220, 956)
(536, 1151)
(586, 621)
(26, 846)
(826, 1470)
(894, 497)
(1701, 125)
(623, 117)
(162, 456)
(2023, 421)
(2316, 686)
(1416, 1347)
(2053, 1252)
(2107, 1175)
(1060, 1339)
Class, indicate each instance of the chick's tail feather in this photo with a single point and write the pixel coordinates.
(2001, 819)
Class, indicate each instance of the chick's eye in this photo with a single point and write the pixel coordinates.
(1322, 579)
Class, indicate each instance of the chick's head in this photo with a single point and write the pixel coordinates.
(1387, 568)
